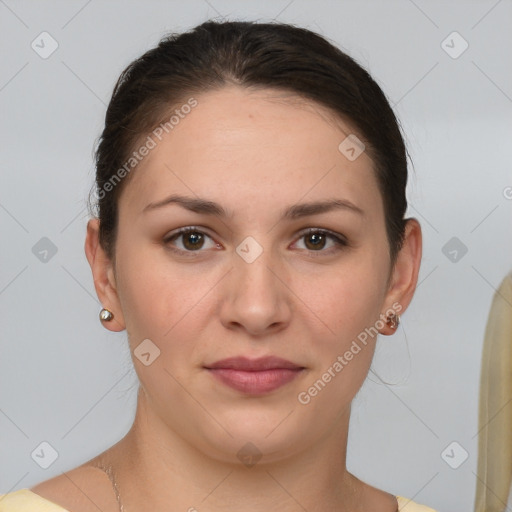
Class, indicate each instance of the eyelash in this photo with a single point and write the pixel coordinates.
(338, 240)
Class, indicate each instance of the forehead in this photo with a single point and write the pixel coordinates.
(253, 145)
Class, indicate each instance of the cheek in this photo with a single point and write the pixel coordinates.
(157, 305)
(347, 298)
(347, 306)
(146, 297)
(344, 306)
(146, 292)
(160, 300)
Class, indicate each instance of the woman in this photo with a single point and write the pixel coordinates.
(251, 239)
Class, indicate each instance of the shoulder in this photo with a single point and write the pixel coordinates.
(24, 500)
(378, 499)
(407, 505)
(82, 489)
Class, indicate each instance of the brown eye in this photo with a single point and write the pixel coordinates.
(193, 240)
(316, 240)
(189, 239)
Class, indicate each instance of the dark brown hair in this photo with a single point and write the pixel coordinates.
(248, 54)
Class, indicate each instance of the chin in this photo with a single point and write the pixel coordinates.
(261, 438)
(249, 451)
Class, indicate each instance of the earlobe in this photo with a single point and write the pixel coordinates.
(103, 276)
(405, 273)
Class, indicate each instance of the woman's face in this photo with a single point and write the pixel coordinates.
(249, 282)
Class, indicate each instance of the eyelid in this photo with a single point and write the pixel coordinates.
(185, 230)
(323, 231)
(340, 241)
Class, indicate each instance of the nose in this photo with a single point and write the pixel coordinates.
(256, 297)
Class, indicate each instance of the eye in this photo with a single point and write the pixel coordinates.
(317, 240)
(192, 240)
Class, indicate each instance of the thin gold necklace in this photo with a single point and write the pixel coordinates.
(110, 474)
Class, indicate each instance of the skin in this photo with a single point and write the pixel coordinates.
(254, 153)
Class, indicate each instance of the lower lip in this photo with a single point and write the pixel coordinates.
(255, 382)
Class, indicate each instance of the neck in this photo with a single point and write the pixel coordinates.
(156, 469)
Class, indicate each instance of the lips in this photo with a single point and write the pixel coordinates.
(254, 365)
(254, 376)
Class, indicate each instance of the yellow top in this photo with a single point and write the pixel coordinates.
(24, 500)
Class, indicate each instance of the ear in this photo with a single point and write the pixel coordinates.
(104, 277)
(405, 272)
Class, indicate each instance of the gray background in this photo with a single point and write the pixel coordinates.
(66, 381)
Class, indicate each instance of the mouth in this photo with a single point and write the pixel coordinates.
(254, 376)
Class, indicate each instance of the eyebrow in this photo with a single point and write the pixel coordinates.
(205, 207)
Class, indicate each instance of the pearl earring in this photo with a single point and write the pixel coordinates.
(106, 315)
